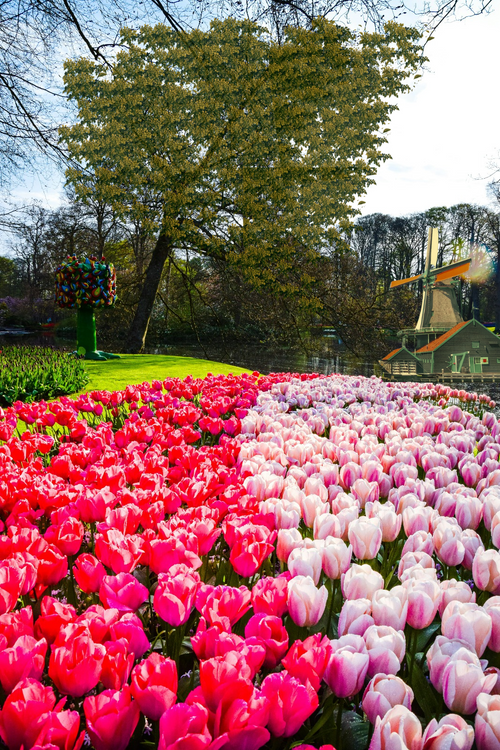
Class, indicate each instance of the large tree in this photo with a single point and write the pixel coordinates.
(233, 145)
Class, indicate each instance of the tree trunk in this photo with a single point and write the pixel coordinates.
(139, 328)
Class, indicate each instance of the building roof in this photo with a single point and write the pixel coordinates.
(391, 354)
(444, 337)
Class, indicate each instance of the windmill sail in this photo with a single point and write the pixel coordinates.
(439, 305)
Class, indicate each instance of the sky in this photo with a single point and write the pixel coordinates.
(446, 133)
(443, 138)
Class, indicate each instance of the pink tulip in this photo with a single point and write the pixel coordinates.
(365, 491)
(384, 692)
(492, 607)
(361, 582)
(469, 512)
(272, 634)
(414, 559)
(487, 722)
(399, 728)
(386, 648)
(348, 666)
(440, 654)
(306, 603)
(450, 733)
(390, 521)
(269, 595)
(418, 519)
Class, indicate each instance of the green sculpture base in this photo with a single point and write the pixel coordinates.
(87, 338)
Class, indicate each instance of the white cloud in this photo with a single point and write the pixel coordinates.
(445, 133)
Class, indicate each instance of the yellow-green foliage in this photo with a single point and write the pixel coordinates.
(234, 145)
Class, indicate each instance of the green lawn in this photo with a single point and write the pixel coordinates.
(131, 369)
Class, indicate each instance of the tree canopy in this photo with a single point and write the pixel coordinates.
(234, 145)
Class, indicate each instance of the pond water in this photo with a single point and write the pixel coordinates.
(265, 359)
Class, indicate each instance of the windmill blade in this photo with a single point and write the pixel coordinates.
(399, 282)
(455, 270)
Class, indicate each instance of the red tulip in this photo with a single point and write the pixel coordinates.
(116, 665)
(88, 572)
(26, 658)
(175, 594)
(112, 717)
(24, 713)
(53, 617)
(75, 668)
(307, 660)
(290, 703)
(154, 685)
(273, 635)
(184, 727)
(269, 595)
(218, 602)
(122, 592)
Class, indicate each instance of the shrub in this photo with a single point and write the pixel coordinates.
(29, 373)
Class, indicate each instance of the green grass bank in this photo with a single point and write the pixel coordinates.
(133, 369)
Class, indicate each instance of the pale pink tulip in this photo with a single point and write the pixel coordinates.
(286, 516)
(312, 506)
(423, 601)
(399, 729)
(361, 582)
(306, 603)
(469, 512)
(492, 607)
(420, 541)
(441, 652)
(349, 473)
(345, 517)
(491, 505)
(348, 665)
(390, 521)
(468, 622)
(453, 590)
(365, 537)
(413, 559)
(316, 486)
(386, 649)
(486, 570)
(462, 683)
(287, 540)
(487, 723)
(448, 545)
(418, 519)
(451, 733)
(305, 562)
(390, 607)
(384, 692)
(365, 491)
(355, 617)
(327, 524)
(336, 557)
(472, 542)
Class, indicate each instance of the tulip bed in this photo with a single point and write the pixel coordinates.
(247, 562)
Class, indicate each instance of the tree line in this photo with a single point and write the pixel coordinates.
(203, 298)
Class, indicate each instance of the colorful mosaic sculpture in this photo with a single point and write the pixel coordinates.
(86, 284)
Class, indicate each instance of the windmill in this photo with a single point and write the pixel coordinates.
(439, 311)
